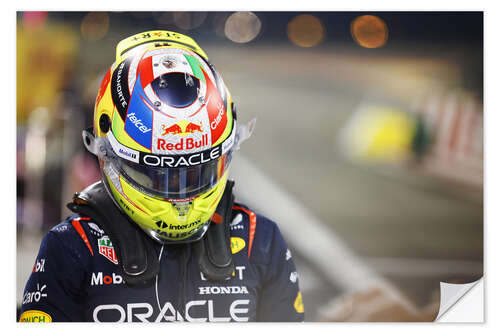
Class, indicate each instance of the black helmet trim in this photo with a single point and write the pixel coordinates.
(119, 87)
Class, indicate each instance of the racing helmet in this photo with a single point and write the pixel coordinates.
(164, 131)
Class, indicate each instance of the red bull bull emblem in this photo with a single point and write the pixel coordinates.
(182, 128)
(192, 127)
(174, 129)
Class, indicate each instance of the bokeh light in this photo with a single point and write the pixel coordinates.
(218, 23)
(305, 30)
(142, 15)
(369, 31)
(95, 26)
(165, 18)
(378, 134)
(242, 27)
(34, 20)
(189, 20)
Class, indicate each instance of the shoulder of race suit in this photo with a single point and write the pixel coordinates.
(256, 229)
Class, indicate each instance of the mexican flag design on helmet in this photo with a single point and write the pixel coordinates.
(164, 133)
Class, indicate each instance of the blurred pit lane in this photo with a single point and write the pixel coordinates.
(410, 228)
(391, 217)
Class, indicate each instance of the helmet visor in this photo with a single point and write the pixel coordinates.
(170, 183)
(176, 183)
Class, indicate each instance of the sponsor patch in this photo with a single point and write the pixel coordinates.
(216, 110)
(237, 273)
(237, 244)
(139, 124)
(177, 231)
(288, 254)
(35, 316)
(216, 290)
(99, 279)
(94, 228)
(35, 296)
(237, 311)
(61, 228)
(119, 88)
(183, 144)
(170, 161)
(236, 224)
(228, 143)
(293, 277)
(298, 304)
(107, 250)
(121, 150)
(39, 266)
(178, 161)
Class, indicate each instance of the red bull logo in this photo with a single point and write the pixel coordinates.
(183, 143)
(182, 128)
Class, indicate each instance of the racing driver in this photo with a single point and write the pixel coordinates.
(160, 237)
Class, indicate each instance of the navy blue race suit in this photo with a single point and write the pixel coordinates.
(76, 278)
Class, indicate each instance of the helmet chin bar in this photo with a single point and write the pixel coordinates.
(151, 233)
(193, 238)
(156, 235)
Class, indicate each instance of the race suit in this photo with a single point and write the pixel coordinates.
(76, 277)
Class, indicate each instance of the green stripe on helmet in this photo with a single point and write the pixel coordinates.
(195, 67)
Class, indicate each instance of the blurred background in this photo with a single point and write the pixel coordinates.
(367, 151)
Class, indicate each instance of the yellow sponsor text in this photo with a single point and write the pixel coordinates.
(298, 304)
(237, 244)
(35, 316)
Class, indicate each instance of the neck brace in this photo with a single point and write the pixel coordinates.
(136, 251)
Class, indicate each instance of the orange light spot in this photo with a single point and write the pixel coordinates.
(369, 31)
(95, 26)
(306, 30)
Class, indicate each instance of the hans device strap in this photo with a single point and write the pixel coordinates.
(136, 253)
(214, 250)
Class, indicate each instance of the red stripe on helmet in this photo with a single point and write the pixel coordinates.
(104, 85)
(145, 68)
(216, 109)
